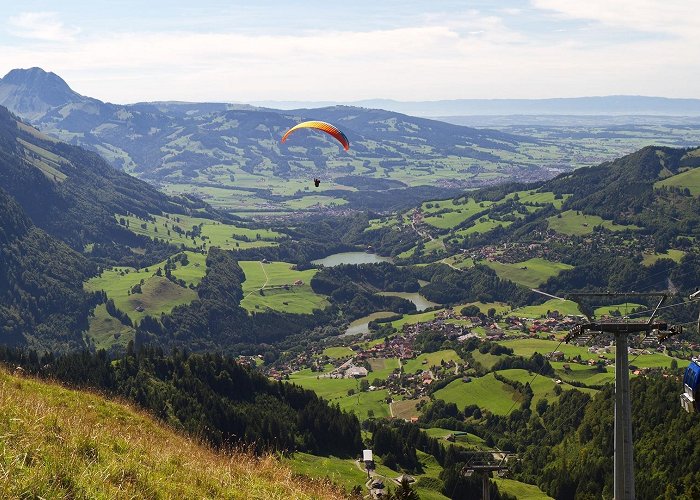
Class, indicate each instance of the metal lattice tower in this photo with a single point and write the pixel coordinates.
(624, 451)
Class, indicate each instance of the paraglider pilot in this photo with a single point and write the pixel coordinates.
(317, 182)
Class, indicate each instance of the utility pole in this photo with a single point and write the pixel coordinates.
(624, 452)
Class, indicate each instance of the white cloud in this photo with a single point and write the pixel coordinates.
(670, 17)
(437, 60)
(44, 26)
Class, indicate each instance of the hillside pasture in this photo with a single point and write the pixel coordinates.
(674, 255)
(425, 361)
(173, 228)
(486, 392)
(106, 331)
(272, 286)
(542, 386)
(158, 294)
(564, 307)
(689, 179)
(579, 224)
(530, 273)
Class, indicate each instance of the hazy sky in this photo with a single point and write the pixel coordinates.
(206, 50)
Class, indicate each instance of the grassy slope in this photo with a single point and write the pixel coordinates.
(432, 358)
(160, 295)
(59, 443)
(579, 224)
(487, 392)
(213, 233)
(107, 331)
(275, 275)
(563, 306)
(689, 179)
(530, 273)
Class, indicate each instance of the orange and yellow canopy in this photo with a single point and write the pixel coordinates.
(323, 126)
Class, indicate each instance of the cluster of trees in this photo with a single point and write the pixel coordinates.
(353, 288)
(478, 283)
(209, 396)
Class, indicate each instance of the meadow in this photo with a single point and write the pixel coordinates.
(579, 224)
(530, 273)
(204, 233)
(158, 294)
(427, 360)
(271, 285)
(690, 179)
(564, 307)
(486, 392)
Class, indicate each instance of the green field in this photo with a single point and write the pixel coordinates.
(159, 295)
(272, 286)
(106, 331)
(674, 255)
(689, 179)
(338, 352)
(563, 306)
(579, 224)
(172, 228)
(530, 273)
(486, 392)
(427, 360)
(454, 215)
(412, 319)
(623, 309)
(486, 360)
(382, 367)
(585, 374)
(521, 491)
(471, 441)
(542, 386)
(342, 471)
(361, 403)
(527, 347)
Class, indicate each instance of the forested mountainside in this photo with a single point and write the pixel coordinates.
(42, 302)
(74, 194)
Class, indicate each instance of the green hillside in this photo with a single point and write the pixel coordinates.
(60, 443)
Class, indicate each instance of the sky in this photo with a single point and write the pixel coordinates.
(125, 51)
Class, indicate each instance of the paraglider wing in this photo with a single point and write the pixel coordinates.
(331, 130)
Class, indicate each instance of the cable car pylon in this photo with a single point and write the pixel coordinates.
(624, 456)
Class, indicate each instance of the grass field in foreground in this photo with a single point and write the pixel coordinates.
(530, 273)
(61, 443)
(486, 392)
(579, 224)
(279, 292)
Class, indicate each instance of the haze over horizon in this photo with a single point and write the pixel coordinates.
(316, 51)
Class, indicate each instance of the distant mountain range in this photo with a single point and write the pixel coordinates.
(207, 143)
(587, 106)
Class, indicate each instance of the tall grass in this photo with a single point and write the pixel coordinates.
(60, 443)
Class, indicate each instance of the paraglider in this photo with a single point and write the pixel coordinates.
(317, 182)
(331, 130)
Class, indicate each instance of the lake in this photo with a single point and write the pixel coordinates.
(361, 325)
(351, 258)
(421, 302)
